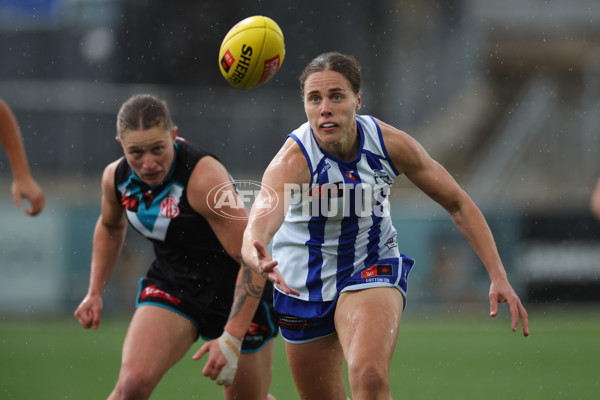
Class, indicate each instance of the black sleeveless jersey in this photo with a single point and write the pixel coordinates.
(189, 257)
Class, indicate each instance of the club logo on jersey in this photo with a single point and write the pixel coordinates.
(391, 243)
(169, 207)
(131, 203)
(377, 270)
(381, 177)
(153, 291)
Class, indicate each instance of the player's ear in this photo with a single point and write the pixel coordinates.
(359, 102)
(174, 132)
(118, 139)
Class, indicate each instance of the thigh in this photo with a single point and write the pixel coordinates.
(156, 340)
(367, 323)
(318, 368)
(253, 376)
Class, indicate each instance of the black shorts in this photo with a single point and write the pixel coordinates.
(210, 319)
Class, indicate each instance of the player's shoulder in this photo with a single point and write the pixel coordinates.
(190, 153)
(208, 174)
(403, 149)
(110, 170)
(291, 153)
(289, 164)
(396, 138)
(209, 166)
(108, 179)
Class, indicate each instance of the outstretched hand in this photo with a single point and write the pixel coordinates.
(502, 292)
(267, 268)
(223, 357)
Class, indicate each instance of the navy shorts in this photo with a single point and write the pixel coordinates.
(209, 322)
(302, 321)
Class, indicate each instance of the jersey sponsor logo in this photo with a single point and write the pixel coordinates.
(169, 207)
(377, 270)
(153, 291)
(350, 175)
(326, 167)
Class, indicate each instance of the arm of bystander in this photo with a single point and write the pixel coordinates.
(24, 186)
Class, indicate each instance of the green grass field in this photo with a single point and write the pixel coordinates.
(437, 357)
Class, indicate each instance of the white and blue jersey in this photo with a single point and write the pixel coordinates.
(337, 234)
(341, 225)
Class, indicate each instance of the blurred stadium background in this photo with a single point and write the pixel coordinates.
(505, 94)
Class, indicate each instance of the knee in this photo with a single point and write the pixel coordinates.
(368, 378)
(133, 386)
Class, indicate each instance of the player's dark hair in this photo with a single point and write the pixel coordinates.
(142, 112)
(334, 61)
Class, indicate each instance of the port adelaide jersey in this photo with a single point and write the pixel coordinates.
(339, 224)
(184, 244)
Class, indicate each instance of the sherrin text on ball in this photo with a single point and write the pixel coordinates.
(252, 52)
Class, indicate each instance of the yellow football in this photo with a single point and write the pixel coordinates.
(252, 52)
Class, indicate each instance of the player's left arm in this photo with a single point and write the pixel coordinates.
(228, 220)
(433, 179)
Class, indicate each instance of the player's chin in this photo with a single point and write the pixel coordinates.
(152, 179)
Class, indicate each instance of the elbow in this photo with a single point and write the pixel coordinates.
(114, 230)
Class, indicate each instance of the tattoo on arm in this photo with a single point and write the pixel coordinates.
(246, 288)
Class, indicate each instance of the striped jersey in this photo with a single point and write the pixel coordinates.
(339, 223)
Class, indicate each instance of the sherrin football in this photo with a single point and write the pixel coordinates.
(252, 52)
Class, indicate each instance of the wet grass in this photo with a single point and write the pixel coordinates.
(437, 357)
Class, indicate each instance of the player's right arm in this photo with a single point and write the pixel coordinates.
(109, 236)
(287, 168)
